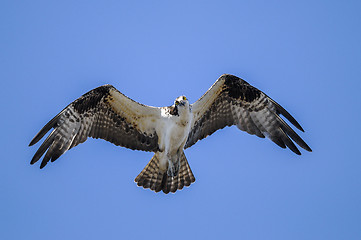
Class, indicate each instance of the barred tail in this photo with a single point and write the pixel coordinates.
(156, 179)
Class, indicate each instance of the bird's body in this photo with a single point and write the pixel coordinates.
(106, 113)
(171, 170)
(174, 127)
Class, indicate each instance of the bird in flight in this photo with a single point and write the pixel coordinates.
(106, 113)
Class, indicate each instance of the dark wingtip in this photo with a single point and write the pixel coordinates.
(297, 152)
(33, 161)
(300, 128)
(46, 128)
(307, 148)
(36, 158)
(41, 133)
(286, 114)
(43, 164)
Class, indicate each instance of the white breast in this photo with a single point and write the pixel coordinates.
(173, 130)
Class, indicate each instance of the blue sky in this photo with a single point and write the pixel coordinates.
(304, 54)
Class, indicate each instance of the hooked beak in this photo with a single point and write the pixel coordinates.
(182, 103)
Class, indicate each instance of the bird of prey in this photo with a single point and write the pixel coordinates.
(106, 113)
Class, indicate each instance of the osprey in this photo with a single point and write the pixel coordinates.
(106, 113)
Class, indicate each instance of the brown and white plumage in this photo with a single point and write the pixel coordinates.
(233, 101)
(106, 113)
(101, 113)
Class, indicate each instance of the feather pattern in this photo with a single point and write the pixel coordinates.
(101, 113)
(153, 177)
(232, 101)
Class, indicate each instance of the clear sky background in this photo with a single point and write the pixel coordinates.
(304, 54)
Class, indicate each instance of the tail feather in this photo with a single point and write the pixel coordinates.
(156, 179)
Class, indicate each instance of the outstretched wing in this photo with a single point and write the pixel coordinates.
(104, 113)
(232, 101)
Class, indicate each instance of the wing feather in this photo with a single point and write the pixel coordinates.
(103, 113)
(233, 101)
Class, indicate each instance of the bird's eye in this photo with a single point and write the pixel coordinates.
(184, 98)
(176, 103)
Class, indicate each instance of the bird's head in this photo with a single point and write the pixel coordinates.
(181, 102)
